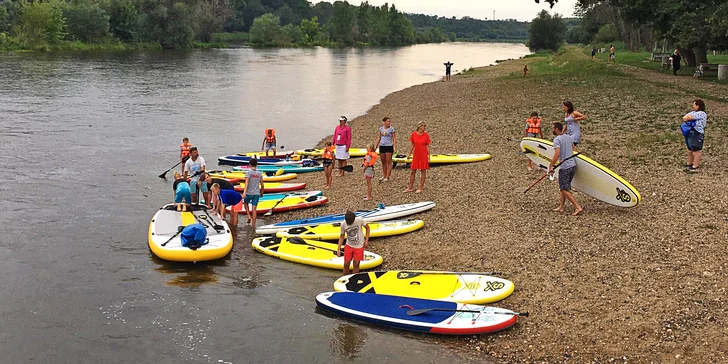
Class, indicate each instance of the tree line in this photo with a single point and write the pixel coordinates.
(34, 24)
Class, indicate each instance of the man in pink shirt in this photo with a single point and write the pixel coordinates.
(342, 141)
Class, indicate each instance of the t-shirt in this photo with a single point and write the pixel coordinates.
(701, 119)
(230, 197)
(253, 176)
(194, 166)
(565, 142)
(180, 185)
(386, 134)
(224, 184)
(354, 234)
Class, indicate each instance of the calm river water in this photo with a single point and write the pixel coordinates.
(84, 136)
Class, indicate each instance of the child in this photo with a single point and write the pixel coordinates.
(369, 159)
(533, 129)
(269, 142)
(327, 157)
(182, 191)
(525, 70)
(355, 242)
(253, 190)
(224, 198)
(184, 152)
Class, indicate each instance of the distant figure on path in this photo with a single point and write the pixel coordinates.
(420, 153)
(694, 139)
(269, 142)
(611, 55)
(594, 53)
(525, 70)
(571, 125)
(387, 144)
(562, 151)
(448, 66)
(675, 59)
(342, 141)
(327, 158)
(184, 152)
(533, 129)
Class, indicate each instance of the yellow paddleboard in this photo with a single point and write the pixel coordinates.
(469, 288)
(311, 252)
(353, 152)
(445, 158)
(241, 176)
(332, 231)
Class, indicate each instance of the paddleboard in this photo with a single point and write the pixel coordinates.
(241, 159)
(278, 196)
(288, 203)
(310, 252)
(273, 187)
(240, 175)
(332, 231)
(286, 169)
(165, 223)
(445, 158)
(317, 152)
(473, 288)
(591, 178)
(392, 311)
(279, 154)
(379, 214)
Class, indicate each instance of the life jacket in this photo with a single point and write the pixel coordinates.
(270, 138)
(534, 125)
(369, 159)
(185, 149)
(328, 153)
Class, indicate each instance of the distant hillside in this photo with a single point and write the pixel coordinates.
(467, 28)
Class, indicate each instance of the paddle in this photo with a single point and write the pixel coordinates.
(407, 275)
(215, 225)
(300, 241)
(424, 310)
(349, 168)
(270, 212)
(179, 230)
(164, 175)
(556, 166)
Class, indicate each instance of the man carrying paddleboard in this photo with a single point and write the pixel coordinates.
(563, 150)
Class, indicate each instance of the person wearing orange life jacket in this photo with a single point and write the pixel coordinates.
(327, 157)
(269, 142)
(533, 129)
(370, 159)
(184, 152)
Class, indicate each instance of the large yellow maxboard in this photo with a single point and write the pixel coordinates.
(333, 231)
(461, 287)
(166, 223)
(310, 252)
(590, 178)
(353, 152)
(445, 158)
(241, 176)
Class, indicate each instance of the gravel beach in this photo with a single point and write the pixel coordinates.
(646, 284)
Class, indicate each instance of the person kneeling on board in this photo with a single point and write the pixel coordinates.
(563, 149)
(355, 242)
(223, 198)
(182, 191)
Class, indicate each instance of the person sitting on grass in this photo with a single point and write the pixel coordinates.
(563, 149)
(351, 228)
(224, 198)
(252, 191)
(532, 130)
(182, 191)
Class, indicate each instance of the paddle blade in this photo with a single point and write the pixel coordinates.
(279, 172)
(348, 168)
(163, 175)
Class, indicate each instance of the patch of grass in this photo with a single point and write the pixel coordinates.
(648, 140)
(709, 226)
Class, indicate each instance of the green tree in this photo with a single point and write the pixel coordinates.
(546, 32)
(323, 11)
(210, 17)
(291, 33)
(265, 29)
(86, 21)
(170, 23)
(310, 29)
(342, 22)
(4, 19)
(401, 30)
(124, 20)
(607, 33)
(40, 23)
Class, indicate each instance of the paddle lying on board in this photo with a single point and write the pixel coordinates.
(545, 175)
(270, 212)
(164, 175)
(212, 222)
(407, 274)
(300, 241)
(179, 230)
(424, 310)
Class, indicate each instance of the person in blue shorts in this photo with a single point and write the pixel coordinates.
(224, 198)
(253, 191)
(181, 190)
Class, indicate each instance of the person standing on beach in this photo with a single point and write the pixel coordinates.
(327, 158)
(571, 121)
(342, 141)
(387, 144)
(533, 129)
(370, 159)
(420, 154)
(611, 55)
(525, 70)
(675, 59)
(448, 66)
(694, 139)
(562, 151)
(356, 242)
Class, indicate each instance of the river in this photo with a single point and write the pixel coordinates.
(84, 136)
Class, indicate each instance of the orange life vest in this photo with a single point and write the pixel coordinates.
(184, 148)
(328, 153)
(534, 125)
(371, 157)
(272, 137)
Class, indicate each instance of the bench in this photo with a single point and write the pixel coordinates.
(657, 57)
(709, 69)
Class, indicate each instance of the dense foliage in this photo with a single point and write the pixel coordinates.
(547, 32)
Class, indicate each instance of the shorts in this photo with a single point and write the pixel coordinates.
(386, 149)
(252, 199)
(565, 178)
(203, 187)
(369, 172)
(694, 140)
(341, 153)
(328, 162)
(355, 254)
(183, 195)
(269, 146)
(532, 135)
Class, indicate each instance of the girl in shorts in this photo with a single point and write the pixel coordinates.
(369, 160)
(327, 158)
(387, 144)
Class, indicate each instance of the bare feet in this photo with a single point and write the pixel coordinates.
(418, 191)
(558, 209)
(407, 190)
(576, 212)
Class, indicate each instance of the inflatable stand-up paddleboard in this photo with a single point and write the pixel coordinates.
(333, 230)
(445, 158)
(310, 252)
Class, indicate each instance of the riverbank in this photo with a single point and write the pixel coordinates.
(645, 284)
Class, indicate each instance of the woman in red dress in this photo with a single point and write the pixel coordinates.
(420, 154)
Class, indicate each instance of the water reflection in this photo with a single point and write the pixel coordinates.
(189, 275)
(347, 340)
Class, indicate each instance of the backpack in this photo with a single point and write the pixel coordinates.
(686, 127)
(194, 236)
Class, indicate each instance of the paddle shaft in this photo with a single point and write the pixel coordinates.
(556, 166)
(349, 168)
(414, 274)
(425, 310)
(164, 175)
(270, 212)
(303, 242)
(173, 236)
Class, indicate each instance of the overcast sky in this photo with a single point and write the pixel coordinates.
(481, 9)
